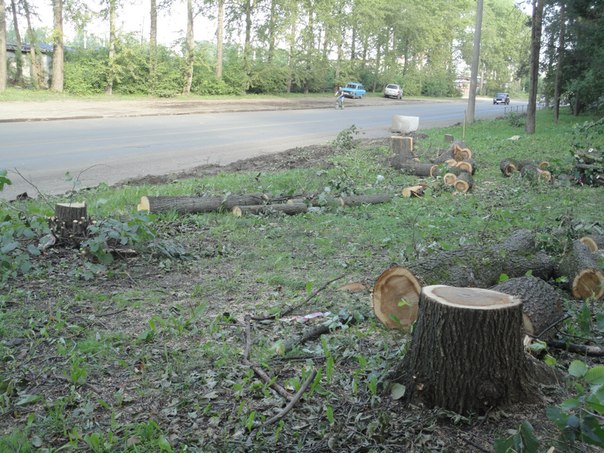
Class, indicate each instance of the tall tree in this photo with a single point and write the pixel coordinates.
(475, 63)
(112, 66)
(219, 39)
(18, 43)
(560, 53)
(153, 44)
(190, 50)
(536, 26)
(58, 47)
(31, 36)
(3, 59)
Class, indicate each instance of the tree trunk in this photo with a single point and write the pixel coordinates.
(57, 50)
(287, 208)
(220, 39)
(3, 58)
(561, 52)
(190, 50)
(18, 53)
(359, 200)
(153, 46)
(396, 291)
(413, 167)
(542, 305)
(111, 70)
(537, 21)
(585, 278)
(194, 205)
(34, 65)
(467, 353)
(69, 224)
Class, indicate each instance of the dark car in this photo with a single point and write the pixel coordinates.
(501, 98)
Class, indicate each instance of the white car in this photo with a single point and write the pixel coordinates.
(393, 90)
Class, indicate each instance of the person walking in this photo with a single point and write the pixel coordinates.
(339, 99)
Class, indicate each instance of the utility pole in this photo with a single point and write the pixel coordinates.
(475, 59)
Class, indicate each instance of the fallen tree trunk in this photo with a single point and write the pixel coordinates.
(194, 205)
(585, 278)
(396, 291)
(467, 353)
(416, 168)
(542, 305)
(357, 200)
(509, 166)
(535, 173)
(286, 208)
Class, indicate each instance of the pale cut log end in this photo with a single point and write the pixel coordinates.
(237, 212)
(461, 186)
(396, 297)
(465, 166)
(413, 191)
(449, 179)
(589, 243)
(527, 325)
(588, 283)
(74, 205)
(544, 175)
(543, 165)
(465, 153)
(144, 205)
(433, 170)
(451, 162)
(470, 298)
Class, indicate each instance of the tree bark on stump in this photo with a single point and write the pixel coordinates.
(467, 353)
(286, 208)
(402, 147)
(396, 291)
(195, 205)
(585, 278)
(70, 222)
(542, 305)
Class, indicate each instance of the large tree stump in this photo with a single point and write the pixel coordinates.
(402, 147)
(194, 205)
(585, 278)
(542, 304)
(467, 353)
(396, 291)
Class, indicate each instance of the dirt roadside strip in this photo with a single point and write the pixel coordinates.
(20, 111)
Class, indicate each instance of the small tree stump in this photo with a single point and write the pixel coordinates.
(467, 353)
(70, 222)
(402, 147)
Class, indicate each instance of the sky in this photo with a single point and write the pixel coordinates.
(132, 17)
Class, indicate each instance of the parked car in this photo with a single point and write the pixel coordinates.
(354, 90)
(501, 98)
(393, 90)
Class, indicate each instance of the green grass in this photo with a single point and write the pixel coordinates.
(146, 355)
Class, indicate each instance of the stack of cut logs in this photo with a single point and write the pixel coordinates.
(537, 170)
(454, 164)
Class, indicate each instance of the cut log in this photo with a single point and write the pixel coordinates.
(194, 205)
(533, 172)
(585, 278)
(358, 200)
(413, 191)
(449, 179)
(466, 353)
(473, 266)
(402, 147)
(593, 242)
(286, 208)
(416, 168)
(508, 166)
(468, 165)
(464, 182)
(542, 305)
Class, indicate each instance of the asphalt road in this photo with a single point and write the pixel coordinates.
(110, 150)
